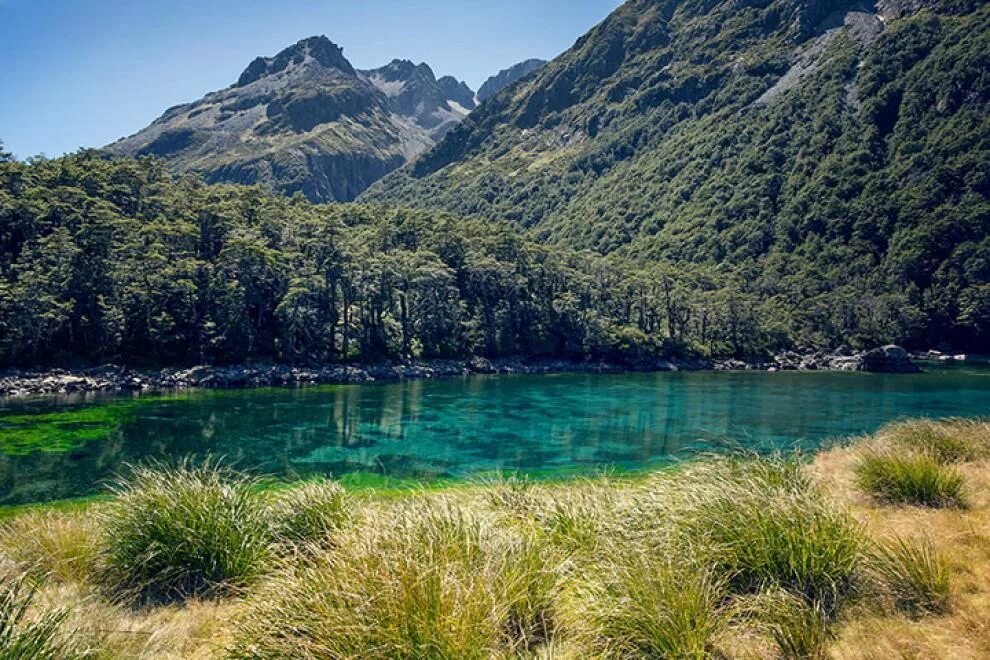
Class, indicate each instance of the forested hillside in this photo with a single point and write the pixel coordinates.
(834, 157)
(115, 259)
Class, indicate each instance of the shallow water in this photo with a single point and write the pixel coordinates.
(61, 448)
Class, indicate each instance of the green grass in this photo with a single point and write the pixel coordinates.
(173, 533)
(799, 628)
(948, 441)
(312, 512)
(644, 606)
(680, 563)
(762, 524)
(910, 477)
(23, 637)
(430, 580)
(913, 575)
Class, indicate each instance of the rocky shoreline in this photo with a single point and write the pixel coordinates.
(114, 378)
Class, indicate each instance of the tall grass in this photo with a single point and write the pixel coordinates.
(175, 533)
(26, 638)
(948, 441)
(310, 513)
(910, 477)
(800, 629)
(913, 574)
(51, 545)
(763, 525)
(643, 606)
(427, 580)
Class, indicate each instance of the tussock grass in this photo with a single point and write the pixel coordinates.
(915, 576)
(798, 628)
(722, 557)
(948, 441)
(187, 531)
(433, 580)
(764, 525)
(51, 545)
(23, 637)
(910, 477)
(642, 606)
(311, 513)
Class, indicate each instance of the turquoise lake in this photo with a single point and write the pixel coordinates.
(458, 428)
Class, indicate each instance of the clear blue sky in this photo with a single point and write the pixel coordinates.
(82, 73)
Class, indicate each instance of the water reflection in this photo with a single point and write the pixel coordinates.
(479, 424)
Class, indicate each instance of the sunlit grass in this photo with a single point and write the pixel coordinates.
(722, 557)
(178, 532)
(910, 477)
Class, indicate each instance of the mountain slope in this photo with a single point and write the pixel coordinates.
(306, 121)
(832, 153)
(506, 77)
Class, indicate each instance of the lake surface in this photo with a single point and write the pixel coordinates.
(61, 448)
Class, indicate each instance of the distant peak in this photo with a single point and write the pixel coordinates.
(405, 70)
(319, 49)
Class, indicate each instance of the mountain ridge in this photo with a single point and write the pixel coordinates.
(778, 139)
(305, 120)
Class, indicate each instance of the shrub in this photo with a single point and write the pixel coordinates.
(910, 478)
(312, 512)
(642, 606)
(27, 639)
(949, 441)
(427, 580)
(177, 532)
(914, 575)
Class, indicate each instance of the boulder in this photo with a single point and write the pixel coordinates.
(889, 359)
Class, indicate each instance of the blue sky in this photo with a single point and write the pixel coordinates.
(82, 73)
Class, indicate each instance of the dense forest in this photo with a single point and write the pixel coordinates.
(835, 157)
(116, 259)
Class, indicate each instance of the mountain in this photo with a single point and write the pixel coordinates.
(832, 155)
(414, 92)
(506, 77)
(306, 121)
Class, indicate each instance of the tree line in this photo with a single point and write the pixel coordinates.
(112, 259)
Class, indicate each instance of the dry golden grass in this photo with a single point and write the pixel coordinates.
(962, 536)
(586, 524)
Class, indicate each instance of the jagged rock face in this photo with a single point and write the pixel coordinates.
(306, 121)
(458, 92)
(506, 77)
(414, 91)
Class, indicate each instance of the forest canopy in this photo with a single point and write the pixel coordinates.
(115, 259)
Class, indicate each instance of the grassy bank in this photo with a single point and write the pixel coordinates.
(877, 549)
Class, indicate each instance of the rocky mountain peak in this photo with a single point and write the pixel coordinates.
(318, 49)
(506, 77)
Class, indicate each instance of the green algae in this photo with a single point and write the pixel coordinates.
(64, 430)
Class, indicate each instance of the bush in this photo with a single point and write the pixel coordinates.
(427, 580)
(312, 512)
(186, 531)
(914, 575)
(21, 638)
(641, 606)
(949, 441)
(910, 478)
